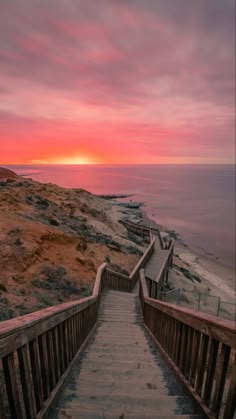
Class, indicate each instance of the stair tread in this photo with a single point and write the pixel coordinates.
(117, 389)
(121, 374)
(164, 404)
(116, 414)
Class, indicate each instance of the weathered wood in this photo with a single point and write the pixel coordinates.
(187, 367)
(211, 369)
(230, 405)
(221, 372)
(57, 353)
(55, 394)
(16, 337)
(44, 365)
(202, 363)
(61, 338)
(214, 327)
(194, 357)
(182, 358)
(67, 344)
(36, 373)
(51, 363)
(191, 340)
(26, 382)
(205, 410)
(9, 371)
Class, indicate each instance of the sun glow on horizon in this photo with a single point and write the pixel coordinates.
(74, 160)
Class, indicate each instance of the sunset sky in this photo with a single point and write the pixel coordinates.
(116, 81)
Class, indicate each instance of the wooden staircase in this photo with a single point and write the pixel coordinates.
(121, 374)
(115, 354)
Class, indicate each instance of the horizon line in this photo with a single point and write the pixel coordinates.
(118, 164)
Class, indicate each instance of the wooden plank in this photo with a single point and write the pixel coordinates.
(24, 322)
(194, 357)
(187, 366)
(45, 412)
(51, 363)
(211, 368)
(11, 341)
(180, 328)
(172, 353)
(44, 365)
(230, 405)
(201, 367)
(36, 373)
(219, 329)
(67, 353)
(12, 386)
(57, 353)
(175, 349)
(61, 347)
(183, 348)
(70, 338)
(205, 410)
(221, 372)
(26, 381)
(143, 259)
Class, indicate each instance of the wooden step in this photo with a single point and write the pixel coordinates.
(107, 348)
(92, 414)
(119, 356)
(113, 367)
(97, 373)
(121, 374)
(164, 405)
(154, 387)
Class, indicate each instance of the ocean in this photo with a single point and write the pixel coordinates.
(197, 201)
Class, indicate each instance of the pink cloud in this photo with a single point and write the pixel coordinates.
(139, 75)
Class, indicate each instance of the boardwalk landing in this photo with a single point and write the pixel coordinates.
(153, 266)
(121, 374)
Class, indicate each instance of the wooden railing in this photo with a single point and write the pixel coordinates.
(146, 231)
(200, 348)
(117, 281)
(38, 350)
(136, 228)
(155, 285)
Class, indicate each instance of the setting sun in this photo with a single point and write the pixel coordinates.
(74, 160)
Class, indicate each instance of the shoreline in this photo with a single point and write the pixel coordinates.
(206, 266)
(214, 278)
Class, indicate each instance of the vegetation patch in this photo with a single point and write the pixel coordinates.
(51, 278)
(6, 312)
(3, 287)
(42, 203)
(188, 274)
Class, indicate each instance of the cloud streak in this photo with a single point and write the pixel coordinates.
(147, 71)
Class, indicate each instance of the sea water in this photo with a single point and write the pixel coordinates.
(198, 201)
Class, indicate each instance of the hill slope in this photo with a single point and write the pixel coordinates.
(51, 242)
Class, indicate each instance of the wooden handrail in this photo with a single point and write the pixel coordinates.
(126, 283)
(199, 347)
(37, 352)
(147, 230)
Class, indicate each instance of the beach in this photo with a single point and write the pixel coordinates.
(199, 273)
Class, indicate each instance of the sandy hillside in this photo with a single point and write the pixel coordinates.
(7, 174)
(52, 241)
